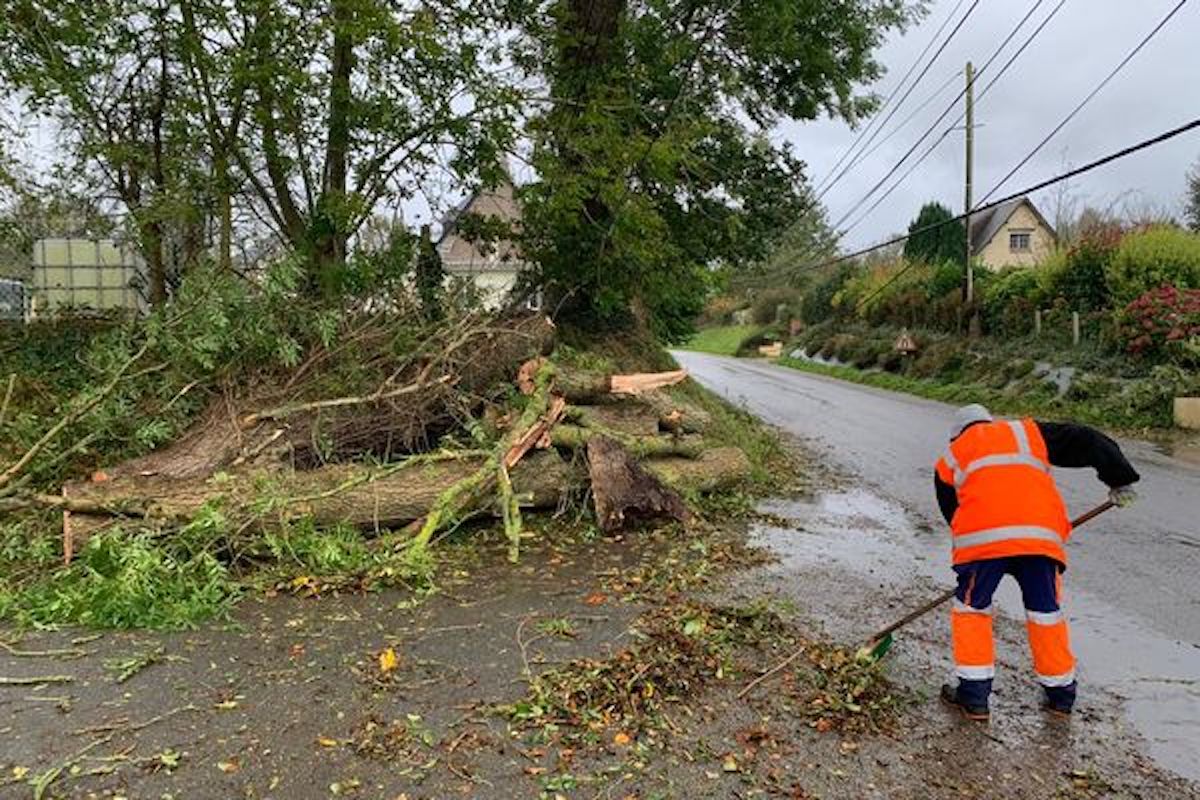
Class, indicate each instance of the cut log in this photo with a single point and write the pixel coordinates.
(584, 387)
(632, 418)
(642, 382)
(676, 415)
(365, 497)
(623, 491)
(715, 470)
(593, 387)
(573, 437)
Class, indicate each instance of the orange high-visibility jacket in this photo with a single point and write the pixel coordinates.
(1008, 504)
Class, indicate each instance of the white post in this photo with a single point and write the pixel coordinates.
(1037, 322)
(1075, 328)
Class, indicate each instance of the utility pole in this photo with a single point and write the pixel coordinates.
(970, 176)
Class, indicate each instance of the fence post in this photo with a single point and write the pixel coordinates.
(1075, 328)
(1037, 322)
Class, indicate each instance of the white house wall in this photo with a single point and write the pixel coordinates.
(997, 254)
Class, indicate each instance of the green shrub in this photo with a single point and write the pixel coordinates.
(1078, 275)
(947, 278)
(1157, 256)
(719, 310)
(1149, 401)
(943, 359)
(1009, 301)
(817, 305)
(765, 308)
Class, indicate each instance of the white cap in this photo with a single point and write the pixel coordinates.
(969, 415)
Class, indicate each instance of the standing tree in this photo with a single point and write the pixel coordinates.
(1191, 207)
(943, 244)
(430, 277)
(654, 154)
(109, 75)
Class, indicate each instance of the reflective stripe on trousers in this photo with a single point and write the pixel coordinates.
(1046, 625)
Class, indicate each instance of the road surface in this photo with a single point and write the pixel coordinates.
(1133, 587)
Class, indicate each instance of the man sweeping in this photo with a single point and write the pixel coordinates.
(1007, 518)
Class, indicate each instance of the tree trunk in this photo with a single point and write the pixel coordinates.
(573, 437)
(332, 211)
(624, 491)
(366, 497)
(156, 262)
(714, 470)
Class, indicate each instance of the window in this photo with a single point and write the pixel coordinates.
(534, 301)
(1020, 241)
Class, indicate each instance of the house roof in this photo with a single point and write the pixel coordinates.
(461, 255)
(986, 224)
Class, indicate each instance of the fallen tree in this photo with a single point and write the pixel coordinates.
(302, 456)
(371, 498)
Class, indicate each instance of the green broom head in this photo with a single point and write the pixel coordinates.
(875, 650)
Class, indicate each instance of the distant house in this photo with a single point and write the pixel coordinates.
(492, 266)
(1012, 234)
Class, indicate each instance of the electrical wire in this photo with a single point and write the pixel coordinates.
(907, 94)
(946, 133)
(916, 111)
(953, 104)
(1091, 96)
(1066, 176)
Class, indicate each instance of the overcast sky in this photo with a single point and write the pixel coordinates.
(1158, 90)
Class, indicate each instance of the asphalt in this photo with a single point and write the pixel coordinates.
(1131, 591)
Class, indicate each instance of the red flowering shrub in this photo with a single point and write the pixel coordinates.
(1160, 321)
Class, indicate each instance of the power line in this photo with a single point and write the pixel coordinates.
(936, 94)
(994, 80)
(887, 102)
(953, 104)
(1099, 88)
(1066, 176)
(907, 94)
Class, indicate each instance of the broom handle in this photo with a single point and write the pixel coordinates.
(942, 598)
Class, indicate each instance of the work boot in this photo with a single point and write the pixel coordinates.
(1056, 710)
(972, 712)
(1059, 700)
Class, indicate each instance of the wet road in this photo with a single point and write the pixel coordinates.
(1133, 588)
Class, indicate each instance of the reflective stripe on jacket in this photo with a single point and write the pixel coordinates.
(1008, 504)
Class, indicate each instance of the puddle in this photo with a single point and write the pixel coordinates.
(1187, 450)
(859, 534)
(855, 530)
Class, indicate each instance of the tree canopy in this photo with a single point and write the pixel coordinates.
(1191, 201)
(654, 157)
(943, 244)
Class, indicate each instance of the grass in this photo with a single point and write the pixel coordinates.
(1112, 413)
(722, 341)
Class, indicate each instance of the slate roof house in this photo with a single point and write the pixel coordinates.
(494, 267)
(1014, 233)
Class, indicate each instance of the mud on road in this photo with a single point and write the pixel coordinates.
(290, 699)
